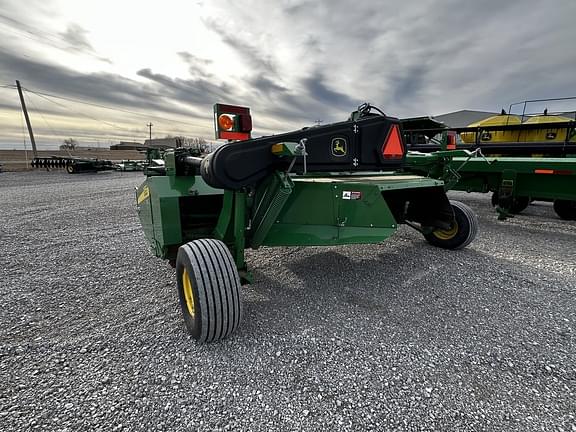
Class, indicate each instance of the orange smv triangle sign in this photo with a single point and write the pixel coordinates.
(392, 147)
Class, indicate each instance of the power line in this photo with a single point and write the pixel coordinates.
(25, 28)
(82, 114)
(39, 112)
(48, 95)
(91, 137)
(125, 133)
(115, 109)
(38, 38)
(55, 40)
(58, 136)
(75, 134)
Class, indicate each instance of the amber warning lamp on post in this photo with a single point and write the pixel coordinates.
(232, 122)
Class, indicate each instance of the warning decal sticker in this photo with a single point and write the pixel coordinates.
(351, 195)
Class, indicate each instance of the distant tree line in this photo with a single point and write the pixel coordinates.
(195, 142)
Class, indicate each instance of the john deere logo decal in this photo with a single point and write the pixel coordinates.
(339, 147)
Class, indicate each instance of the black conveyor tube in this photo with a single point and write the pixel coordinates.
(192, 161)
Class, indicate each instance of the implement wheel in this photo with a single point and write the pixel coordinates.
(209, 289)
(519, 203)
(566, 209)
(462, 231)
(70, 169)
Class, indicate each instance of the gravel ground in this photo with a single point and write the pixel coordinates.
(394, 336)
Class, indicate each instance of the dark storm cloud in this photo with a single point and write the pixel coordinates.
(104, 88)
(363, 21)
(101, 87)
(192, 59)
(121, 92)
(265, 85)
(409, 83)
(313, 45)
(254, 57)
(198, 91)
(295, 7)
(436, 57)
(410, 58)
(76, 40)
(315, 101)
(262, 94)
(317, 89)
(197, 66)
(13, 22)
(76, 37)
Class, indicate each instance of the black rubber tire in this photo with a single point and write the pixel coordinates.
(566, 209)
(465, 229)
(215, 287)
(519, 203)
(70, 169)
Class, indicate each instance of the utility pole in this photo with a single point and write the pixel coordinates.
(27, 119)
(150, 128)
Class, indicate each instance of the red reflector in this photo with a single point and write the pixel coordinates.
(549, 171)
(239, 136)
(451, 144)
(392, 147)
(245, 123)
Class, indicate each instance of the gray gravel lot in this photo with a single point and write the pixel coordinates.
(394, 336)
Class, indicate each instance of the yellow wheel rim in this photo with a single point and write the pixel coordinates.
(188, 295)
(446, 234)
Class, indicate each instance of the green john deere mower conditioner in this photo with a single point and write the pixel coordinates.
(336, 184)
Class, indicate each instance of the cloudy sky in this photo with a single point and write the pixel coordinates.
(294, 62)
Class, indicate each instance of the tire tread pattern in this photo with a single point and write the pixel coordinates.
(217, 285)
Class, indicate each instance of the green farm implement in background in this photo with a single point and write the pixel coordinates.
(152, 165)
(514, 182)
(342, 183)
(515, 172)
(74, 165)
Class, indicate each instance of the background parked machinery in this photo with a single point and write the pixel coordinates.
(543, 167)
